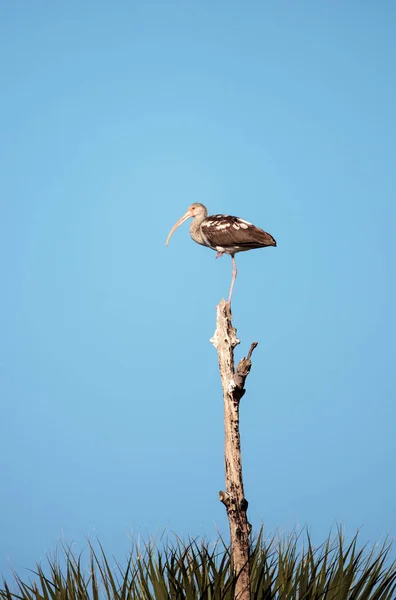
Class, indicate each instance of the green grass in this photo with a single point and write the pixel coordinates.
(282, 569)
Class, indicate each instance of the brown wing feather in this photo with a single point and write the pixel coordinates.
(234, 233)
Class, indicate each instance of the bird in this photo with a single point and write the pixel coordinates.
(223, 233)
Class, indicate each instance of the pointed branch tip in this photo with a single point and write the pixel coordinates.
(252, 347)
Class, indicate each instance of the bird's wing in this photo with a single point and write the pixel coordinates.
(229, 232)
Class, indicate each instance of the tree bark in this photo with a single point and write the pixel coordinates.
(233, 381)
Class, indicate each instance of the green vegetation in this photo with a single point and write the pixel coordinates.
(282, 569)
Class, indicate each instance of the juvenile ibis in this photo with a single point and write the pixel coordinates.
(223, 233)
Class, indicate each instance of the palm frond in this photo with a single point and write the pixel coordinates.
(282, 568)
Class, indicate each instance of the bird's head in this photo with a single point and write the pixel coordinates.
(195, 210)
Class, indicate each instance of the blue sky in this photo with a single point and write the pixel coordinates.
(114, 118)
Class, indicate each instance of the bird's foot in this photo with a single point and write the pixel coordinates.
(227, 303)
(219, 254)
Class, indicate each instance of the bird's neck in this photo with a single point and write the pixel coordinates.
(195, 229)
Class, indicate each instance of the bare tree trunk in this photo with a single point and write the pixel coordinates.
(233, 381)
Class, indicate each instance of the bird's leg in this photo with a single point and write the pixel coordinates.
(219, 254)
(234, 274)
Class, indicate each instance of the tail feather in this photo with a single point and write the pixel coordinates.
(266, 239)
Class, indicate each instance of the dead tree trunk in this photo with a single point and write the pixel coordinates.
(233, 381)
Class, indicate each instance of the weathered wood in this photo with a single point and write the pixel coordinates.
(233, 381)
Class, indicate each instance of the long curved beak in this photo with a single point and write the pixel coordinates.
(184, 218)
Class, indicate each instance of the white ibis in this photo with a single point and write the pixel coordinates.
(223, 233)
